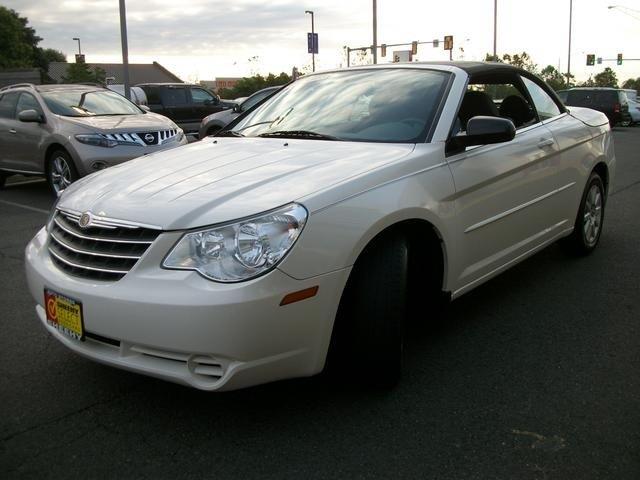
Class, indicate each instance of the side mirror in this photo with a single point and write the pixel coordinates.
(145, 108)
(484, 131)
(30, 116)
(237, 108)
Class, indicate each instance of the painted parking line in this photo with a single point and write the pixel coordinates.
(26, 207)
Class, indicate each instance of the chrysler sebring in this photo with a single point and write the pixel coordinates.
(300, 236)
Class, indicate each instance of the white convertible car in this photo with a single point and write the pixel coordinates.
(299, 236)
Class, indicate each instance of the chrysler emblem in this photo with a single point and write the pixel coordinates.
(149, 138)
(85, 220)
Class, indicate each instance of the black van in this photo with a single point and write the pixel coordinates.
(185, 104)
(610, 101)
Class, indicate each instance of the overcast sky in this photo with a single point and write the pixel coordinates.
(200, 40)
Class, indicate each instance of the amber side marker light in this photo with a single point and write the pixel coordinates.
(299, 295)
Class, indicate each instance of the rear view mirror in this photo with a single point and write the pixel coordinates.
(30, 116)
(483, 130)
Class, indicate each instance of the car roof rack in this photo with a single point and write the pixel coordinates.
(18, 85)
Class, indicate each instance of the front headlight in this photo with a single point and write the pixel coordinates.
(96, 140)
(242, 250)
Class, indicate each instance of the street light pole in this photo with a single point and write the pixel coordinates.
(375, 32)
(313, 40)
(495, 30)
(125, 50)
(569, 52)
(79, 49)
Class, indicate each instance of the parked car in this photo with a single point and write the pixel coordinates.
(610, 101)
(137, 94)
(308, 229)
(213, 123)
(185, 104)
(67, 131)
(562, 95)
(634, 106)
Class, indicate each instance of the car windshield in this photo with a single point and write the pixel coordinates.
(376, 105)
(88, 103)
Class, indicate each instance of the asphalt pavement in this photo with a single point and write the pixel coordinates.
(534, 375)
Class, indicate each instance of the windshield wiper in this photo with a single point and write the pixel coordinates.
(299, 134)
(228, 133)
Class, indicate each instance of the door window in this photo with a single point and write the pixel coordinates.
(200, 96)
(500, 99)
(27, 102)
(543, 102)
(174, 96)
(8, 105)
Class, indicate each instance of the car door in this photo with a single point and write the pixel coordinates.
(177, 103)
(204, 103)
(573, 140)
(29, 137)
(8, 123)
(503, 191)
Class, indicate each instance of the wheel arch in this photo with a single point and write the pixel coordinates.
(602, 169)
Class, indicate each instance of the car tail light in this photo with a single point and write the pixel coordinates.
(616, 108)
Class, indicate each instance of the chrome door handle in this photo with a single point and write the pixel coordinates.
(11, 130)
(545, 142)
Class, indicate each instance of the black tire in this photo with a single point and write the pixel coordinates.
(589, 220)
(61, 171)
(368, 338)
(213, 130)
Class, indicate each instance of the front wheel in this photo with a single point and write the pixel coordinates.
(61, 172)
(367, 345)
(590, 218)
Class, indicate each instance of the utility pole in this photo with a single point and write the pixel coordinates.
(79, 49)
(569, 52)
(495, 30)
(125, 50)
(313, 40)
(375, 32)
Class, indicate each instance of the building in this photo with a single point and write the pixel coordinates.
(220, 82)
(138, 72)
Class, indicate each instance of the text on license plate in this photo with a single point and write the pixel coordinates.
(64, 314)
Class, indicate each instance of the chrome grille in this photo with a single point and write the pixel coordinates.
(157, 137)
(106, 250)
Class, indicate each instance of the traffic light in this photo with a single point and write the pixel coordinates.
(591, 59)
(619, 59)
(448, 42)
(414, 48)
(383, 50)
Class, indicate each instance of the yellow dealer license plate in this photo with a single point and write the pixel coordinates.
(64, 314)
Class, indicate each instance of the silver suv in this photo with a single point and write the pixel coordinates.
(67, 131)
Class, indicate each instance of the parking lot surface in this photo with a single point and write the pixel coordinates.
(532, 376)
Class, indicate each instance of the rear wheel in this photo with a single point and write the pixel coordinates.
(368, 339)
(590, 218)
(61, 172)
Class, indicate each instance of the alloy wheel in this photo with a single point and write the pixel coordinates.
(592, 215)
(60, 174)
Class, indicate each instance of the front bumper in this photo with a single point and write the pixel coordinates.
(178, 326)
(90, 158)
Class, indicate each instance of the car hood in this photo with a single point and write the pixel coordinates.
(222, 179)
(123, 123)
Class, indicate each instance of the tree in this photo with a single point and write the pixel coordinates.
(606, 78)
(555, 79)
(19, 42)
(633, 84)
(520, 60)
(81, 73)
(249, 85)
